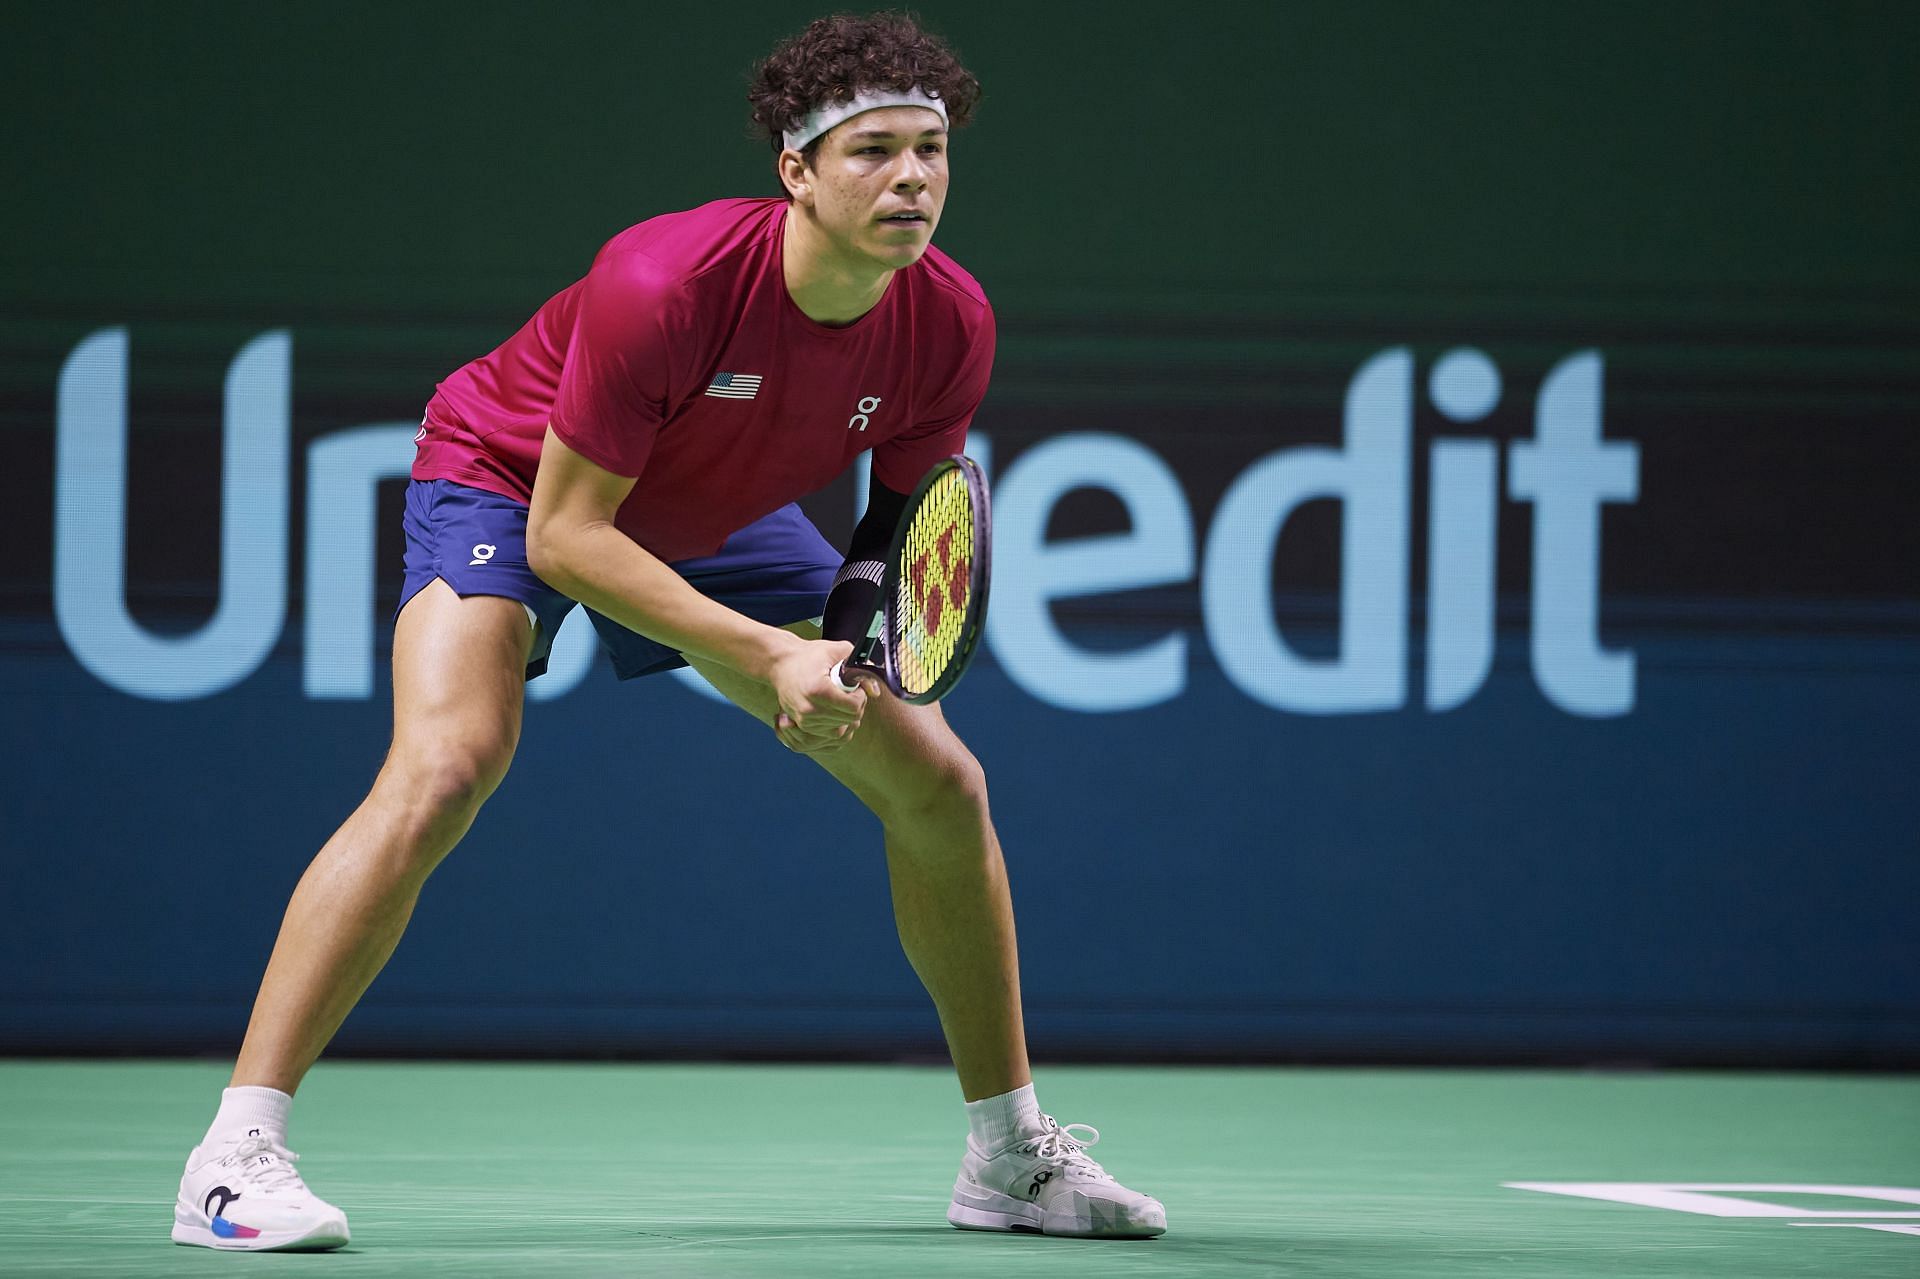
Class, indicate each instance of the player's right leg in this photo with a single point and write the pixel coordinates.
(459, 666)
(457, 694)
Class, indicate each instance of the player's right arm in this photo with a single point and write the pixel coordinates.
(633, 348)
(573, 544)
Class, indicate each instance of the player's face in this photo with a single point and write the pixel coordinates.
(879, 182)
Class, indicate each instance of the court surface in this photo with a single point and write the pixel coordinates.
(587, 1170)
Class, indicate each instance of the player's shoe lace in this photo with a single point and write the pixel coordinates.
(1059, 1146)
(266, 1163)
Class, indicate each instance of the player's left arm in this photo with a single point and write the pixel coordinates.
(855, 596)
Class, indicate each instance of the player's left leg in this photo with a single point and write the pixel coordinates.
(951, 900)
(951, 904)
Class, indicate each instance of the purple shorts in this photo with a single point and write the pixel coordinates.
(776, 570)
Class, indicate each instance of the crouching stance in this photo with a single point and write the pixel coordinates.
(637, 448)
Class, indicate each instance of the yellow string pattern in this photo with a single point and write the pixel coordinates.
(936, 575)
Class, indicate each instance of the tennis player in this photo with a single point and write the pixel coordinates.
(637, 448)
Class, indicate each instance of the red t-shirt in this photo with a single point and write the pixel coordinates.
(681, 360)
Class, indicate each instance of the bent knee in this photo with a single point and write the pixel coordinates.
(441, 782)
(948, 787)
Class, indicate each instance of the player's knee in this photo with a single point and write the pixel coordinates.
(443, 783)
(948, 788)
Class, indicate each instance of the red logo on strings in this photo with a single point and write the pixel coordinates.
(950, 579)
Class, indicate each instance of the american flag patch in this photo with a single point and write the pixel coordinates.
(734, 386)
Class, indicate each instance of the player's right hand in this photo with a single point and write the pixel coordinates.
(816, 715)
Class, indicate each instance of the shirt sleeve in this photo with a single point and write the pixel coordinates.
(616, 386)
(900, 462)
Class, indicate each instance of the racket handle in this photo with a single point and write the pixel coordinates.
(839, 677)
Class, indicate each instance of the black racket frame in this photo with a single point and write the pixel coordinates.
(980, 577)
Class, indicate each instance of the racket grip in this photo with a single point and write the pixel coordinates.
(839, 677)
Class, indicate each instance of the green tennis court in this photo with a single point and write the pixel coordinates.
(525, 1170)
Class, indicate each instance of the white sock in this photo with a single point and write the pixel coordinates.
(247, 1111)
(998, 1122)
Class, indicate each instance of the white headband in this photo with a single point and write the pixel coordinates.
(818, 122)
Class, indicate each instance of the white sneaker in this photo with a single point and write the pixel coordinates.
(1047, 1185)
(245, 1194)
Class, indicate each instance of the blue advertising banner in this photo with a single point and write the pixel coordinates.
(1439, 638)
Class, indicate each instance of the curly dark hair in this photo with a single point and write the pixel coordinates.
(838, 56)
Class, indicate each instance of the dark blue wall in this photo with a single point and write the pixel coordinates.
(1723, 875)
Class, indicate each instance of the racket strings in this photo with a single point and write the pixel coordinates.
(935, 583)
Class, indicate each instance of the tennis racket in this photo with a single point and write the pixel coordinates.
(933, 595)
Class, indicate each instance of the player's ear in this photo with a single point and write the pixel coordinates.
(795, 176)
